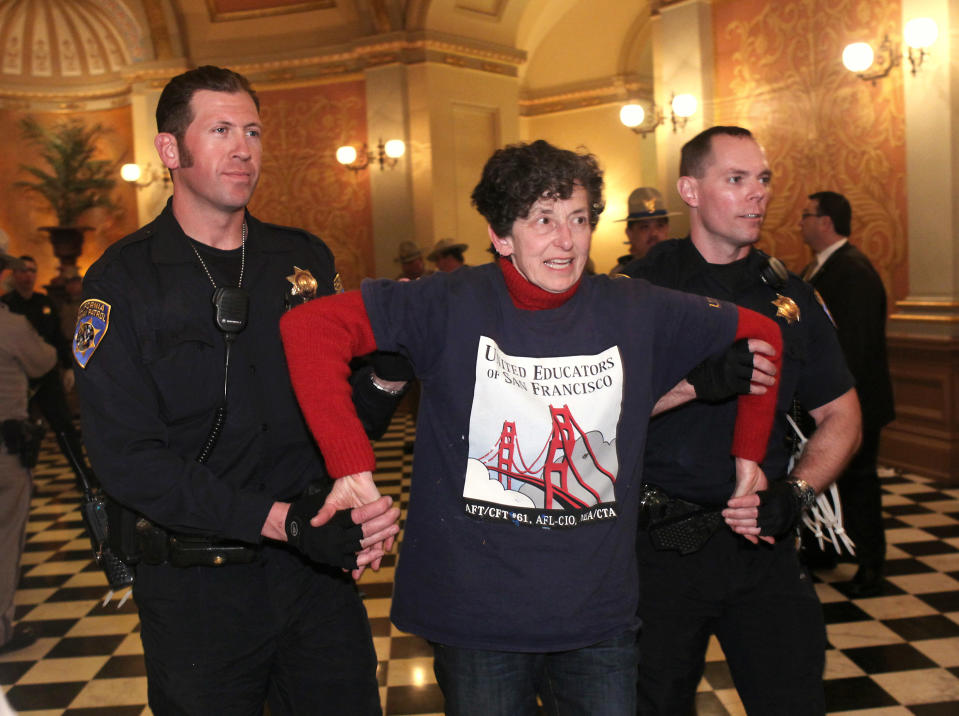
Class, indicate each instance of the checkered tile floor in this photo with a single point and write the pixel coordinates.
(894, 654)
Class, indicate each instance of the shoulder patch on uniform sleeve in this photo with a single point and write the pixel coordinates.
(93, 320)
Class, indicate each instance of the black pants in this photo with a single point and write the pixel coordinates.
(51, 402)
(226, 640)
(861, 496)
(761, 605)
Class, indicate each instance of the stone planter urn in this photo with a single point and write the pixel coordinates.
(67, 246)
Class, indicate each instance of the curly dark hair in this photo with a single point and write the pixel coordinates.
(517, 175)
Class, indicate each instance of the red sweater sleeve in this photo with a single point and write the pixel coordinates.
(320, 338)
(755, 413)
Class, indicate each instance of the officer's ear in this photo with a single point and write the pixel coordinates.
(688, 189)
(168, 150)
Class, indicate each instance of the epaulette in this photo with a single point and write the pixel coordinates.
(112, 252)
(295, 230)
(141, 234)
(665, 248)
(660, 252)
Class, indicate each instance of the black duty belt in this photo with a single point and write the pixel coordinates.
(675, 524)
(158, 546)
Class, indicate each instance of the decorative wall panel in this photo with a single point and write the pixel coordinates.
(302, 184)
(779, 73)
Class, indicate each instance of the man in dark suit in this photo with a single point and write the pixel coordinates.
(855, 297)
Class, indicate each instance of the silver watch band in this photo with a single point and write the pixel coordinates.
(388, 391)
(805, 492)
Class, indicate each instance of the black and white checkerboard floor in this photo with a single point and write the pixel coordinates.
(894, 654)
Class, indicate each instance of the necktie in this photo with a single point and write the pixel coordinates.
(807, 273)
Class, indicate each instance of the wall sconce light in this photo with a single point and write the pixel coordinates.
(386, 155)
(919, 33)
(681, 108)
(133, 174)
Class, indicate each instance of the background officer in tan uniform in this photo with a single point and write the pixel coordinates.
(23, 355)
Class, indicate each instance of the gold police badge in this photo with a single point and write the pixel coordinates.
(303, 283)
(786, 308)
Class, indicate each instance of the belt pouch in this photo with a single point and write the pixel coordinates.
(685, 533)
(187, 551)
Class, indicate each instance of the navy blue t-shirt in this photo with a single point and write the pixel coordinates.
(522, 516)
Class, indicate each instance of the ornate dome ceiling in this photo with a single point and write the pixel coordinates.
(62, 42)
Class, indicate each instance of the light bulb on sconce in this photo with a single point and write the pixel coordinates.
(346, 155)
(632, 115)
(681, 108)
(386, 155)
(858, 57)
(132, 173)
(919, 34)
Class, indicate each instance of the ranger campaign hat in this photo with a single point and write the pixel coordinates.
(647, 203)
(6, 260)
(444, 245)
(409, 251)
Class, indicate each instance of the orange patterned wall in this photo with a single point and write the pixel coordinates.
(21, 212)
(779, 73)
(303, 185)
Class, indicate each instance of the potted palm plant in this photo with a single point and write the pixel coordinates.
(73, 183)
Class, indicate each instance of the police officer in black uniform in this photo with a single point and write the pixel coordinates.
(740, 580)
(191, 424)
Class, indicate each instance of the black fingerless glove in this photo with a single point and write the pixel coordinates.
(724, 375)
(392, 366)
(335, 543)
(779, 509)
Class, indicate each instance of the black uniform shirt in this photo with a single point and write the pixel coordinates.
(687, 448)
(151, 387)
(43, 316)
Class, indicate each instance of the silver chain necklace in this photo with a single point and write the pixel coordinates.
(239, 284)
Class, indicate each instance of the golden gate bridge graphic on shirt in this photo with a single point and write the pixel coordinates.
(552, 476)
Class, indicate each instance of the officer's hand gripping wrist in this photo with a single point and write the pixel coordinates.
(335, 543)
(780, 506)
(392, 367)
(724, 375)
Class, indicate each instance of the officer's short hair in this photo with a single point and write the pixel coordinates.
(518, 175)
(174, 113)
(837, 208)
(696, 152)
